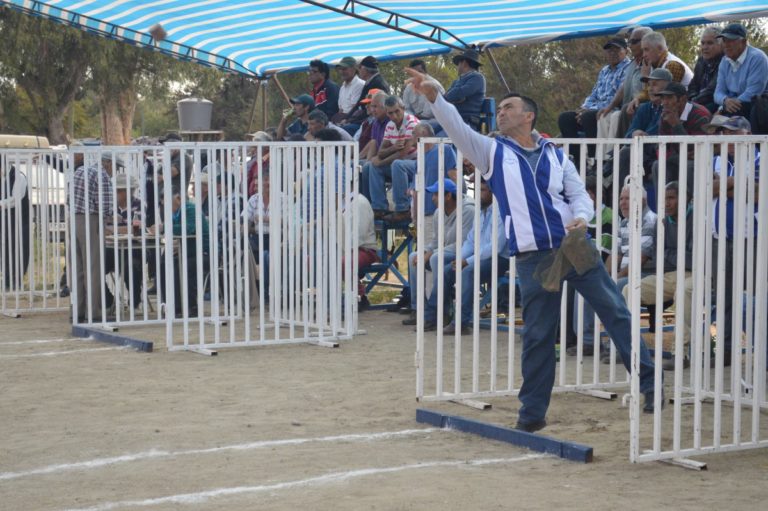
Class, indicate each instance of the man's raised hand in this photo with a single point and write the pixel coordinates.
(422, 84)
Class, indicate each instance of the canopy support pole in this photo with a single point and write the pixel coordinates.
(436, 33)
(253, 107)
(282, 90)
(497, 69)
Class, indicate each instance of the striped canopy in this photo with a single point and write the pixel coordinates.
(267, 36)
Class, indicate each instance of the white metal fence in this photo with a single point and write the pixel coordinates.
(452, 367)
(225, 244)
(720, 296)
(33, 227)
(713, 410)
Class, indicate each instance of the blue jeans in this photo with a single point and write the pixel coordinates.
(365, 190)
(589, 315)
(467, 283)
(539, 332)
(412, 267)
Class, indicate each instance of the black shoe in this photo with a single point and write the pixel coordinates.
(648, 407)
(668, 364)
(531, 427)
(363, 304)
(451, 329)
(587, 350)
(64, 292)
(152, 290)
(405, 310)
(430, 326)
(410, 320)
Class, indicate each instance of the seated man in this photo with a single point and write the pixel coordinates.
(366, 243)
(371, 132)
(369, 73)
(429, 251)
(415, 103)
(14, 225)
(397, 144)
(701, 90)
(351, 87)
(467, 92)
(732, 127)
(679, 117)
(129, 264)
(669, 267)
(468, 260)
(742, 74)
(613, 120)
(318, 121)
(645, 122)
(325, 92)
(183, 220)
(302, 105)
(609, 79)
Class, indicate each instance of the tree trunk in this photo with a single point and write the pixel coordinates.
(57, 134)
(117, 109)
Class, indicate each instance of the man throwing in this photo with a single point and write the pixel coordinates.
(541, 198)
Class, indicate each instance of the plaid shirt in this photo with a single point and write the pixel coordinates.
(78, 200)
(608, 82)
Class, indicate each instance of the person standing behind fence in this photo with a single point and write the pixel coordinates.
(92, 197)
(14, 225)
(541, 198)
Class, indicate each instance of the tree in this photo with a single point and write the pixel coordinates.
(48, 62)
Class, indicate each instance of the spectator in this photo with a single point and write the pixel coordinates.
(366, 238)
(183, 220)
(375, 123)
(14, 223)
(613, 120)
(259, 162)
(732, 127)
(645, 122)
(467, 92)
(257, 215)
(91, 199)
(679, 117)
(701, 90)
(129, 263)
(429, 251)
(181, 163)
(325, 93)
(742, 75)
(317, 120)
(302, 105)
(369, 72)
(669, 267)
(656, 55)
(467, 261)
(397, 144)
(608, 82)
(350, 90)
(417, 104)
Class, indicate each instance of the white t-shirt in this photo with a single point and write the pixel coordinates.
(349, 94)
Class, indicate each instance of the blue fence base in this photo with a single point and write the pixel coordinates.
(119, 340)
(540, 443)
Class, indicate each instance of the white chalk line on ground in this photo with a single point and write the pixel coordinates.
(156, 453)
(44, 341)
(62, 352)
(330, 478)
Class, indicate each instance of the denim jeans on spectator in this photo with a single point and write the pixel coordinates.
(467, 284)
(412, 267)
(539, 332)
(401, 174)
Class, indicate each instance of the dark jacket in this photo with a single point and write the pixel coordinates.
(671, 242)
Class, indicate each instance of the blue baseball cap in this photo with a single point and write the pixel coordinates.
(449, 185)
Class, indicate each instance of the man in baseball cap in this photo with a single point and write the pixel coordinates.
(742, 74)
(350, 89)
(302, 105)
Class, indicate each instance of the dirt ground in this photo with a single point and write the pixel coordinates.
(86, 425)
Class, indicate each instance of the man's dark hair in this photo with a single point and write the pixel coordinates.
(328, 135)
(672, 185)
(474, 65)
(318, 115)
(418, 63)
(320, 66)
(295, 137)
(393, 101)
(529, 105)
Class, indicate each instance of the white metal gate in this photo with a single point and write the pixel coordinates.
(245, 243)
(719, 402)
(33, 227)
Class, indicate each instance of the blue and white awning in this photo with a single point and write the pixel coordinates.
(260, 37)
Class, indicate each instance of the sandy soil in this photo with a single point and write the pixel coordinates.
(274, 428)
